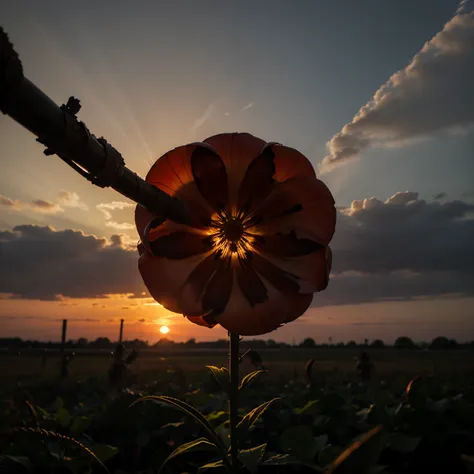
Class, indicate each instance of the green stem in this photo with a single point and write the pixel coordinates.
(234, 399)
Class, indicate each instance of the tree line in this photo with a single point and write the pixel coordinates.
(402, 343)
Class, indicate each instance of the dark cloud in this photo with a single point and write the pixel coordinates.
(401, 248)
(354, 287)
(439, 196)
(433, 93)
(40, 262)
(405, 233)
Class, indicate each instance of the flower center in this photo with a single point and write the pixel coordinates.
(229, 235)
(233, 229)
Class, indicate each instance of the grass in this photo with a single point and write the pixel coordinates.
(162, 365)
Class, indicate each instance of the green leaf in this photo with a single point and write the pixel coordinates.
(361, 456)
(41, 411)
(218, 466)
(249, 378)
(104, 451)
(222, 376)
(80, 424)
(193, 413)
(223, 431)
(378, 415)
(217, 416)
(63, 417)
(280, 459)
(299, 441)
(287, 460)
(250, 458)
(402, 443)
(250, 418)
(58, 403)
(327, 455)
(8, 462)
(201, 444)
(311, 408)
(320, 442)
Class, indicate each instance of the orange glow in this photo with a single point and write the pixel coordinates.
(164, 329)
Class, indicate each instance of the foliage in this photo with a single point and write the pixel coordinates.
(333, 425)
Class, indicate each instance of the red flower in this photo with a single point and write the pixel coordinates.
(257, 246)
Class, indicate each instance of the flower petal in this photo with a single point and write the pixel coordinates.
(193, 289)
(301, 205)
(172, 173)
(285, 245)
(290, 163)
(164, 277)
(237, 151)
(246, 320)
(206, 320)
(250, 283)
(151, 228)
(210, 175)
(218, 290)
(283, 281)
(179, 245)
(258, 181)
(311, 271)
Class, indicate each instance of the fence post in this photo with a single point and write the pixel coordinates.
(121, 331)
(63, 368)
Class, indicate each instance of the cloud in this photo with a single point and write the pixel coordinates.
(45, 207)
(246, 107)
(64, 199)
(439, 196)
(200, 121)
(106, 207)
(404, 233)
(43, 263)
(397, 249)
(401, 248)
(6, 201)
(433, 94)
(71, 199)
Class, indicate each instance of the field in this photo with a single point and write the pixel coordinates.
(428, 429)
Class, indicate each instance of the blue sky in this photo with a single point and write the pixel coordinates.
(155, 75)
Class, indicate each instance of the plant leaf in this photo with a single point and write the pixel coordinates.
(328, 454)
(222, 376)
(63, 417)
(7, 462)
(201, 444)
(320, 442)
(311, 408)
(250, 458)
(249, 378)
(80, 424)
(402, 443)
(250, 418)
(105, 452)
(361, 456)
(299, 441)
(219, 465)
(193, 413)
(287, 460)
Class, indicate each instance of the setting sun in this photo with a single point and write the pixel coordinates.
(164, 329)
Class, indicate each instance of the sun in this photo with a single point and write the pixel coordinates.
(164, 329)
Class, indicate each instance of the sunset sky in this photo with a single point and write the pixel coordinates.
(377, 94)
